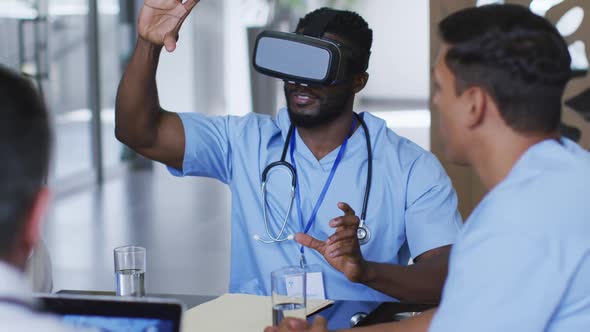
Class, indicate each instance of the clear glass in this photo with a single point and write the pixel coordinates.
(288, 287)
(130, 270)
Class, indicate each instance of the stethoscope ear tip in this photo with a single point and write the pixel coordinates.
(256, 237)
(290, 237)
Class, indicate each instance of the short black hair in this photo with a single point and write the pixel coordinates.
(518, 57)
(25, 142)
(348, 25)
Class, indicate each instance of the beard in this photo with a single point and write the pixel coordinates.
(329, 109)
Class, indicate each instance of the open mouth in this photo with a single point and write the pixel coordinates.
(303, 98)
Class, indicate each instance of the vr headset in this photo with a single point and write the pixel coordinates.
(307, 59)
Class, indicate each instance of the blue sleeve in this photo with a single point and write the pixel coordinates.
(431, 218)
(501, 282)
(207, 146)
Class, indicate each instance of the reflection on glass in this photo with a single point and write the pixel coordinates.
(111, 38)
(80, 7)
(56, 47)
(17, 9)
(67, 87)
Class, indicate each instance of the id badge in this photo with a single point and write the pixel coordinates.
(315, 282)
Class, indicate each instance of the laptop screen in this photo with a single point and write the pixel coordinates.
(117, 324)
(114, 314)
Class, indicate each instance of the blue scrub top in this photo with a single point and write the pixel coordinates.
(412, 206)
(522, 260)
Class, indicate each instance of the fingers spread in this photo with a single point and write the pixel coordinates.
(341, 251)
(347, 234)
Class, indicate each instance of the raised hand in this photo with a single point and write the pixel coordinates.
(342, 250)
(160, 21)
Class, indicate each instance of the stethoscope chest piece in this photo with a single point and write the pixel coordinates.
(356, 318)
(363, 234)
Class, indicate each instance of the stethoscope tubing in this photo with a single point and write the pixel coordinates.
(282, 162)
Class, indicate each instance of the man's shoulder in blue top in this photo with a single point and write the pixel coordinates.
(522, 261)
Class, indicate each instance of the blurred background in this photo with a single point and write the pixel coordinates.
(106, 196)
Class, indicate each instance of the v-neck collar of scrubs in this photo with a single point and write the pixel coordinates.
(303, 151)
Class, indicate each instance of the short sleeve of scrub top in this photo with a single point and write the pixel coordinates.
(207, 146)
(431, 200)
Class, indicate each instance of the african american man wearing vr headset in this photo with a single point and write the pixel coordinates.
(412, 207)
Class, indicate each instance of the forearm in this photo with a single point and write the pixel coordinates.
(421, 282)
(138, 108)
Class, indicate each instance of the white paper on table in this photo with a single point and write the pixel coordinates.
(238, 312)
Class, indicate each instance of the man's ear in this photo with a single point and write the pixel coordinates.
(477, 99)
(359, 82)
(31, 233)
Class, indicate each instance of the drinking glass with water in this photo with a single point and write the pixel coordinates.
(288, 287)
(130, 270)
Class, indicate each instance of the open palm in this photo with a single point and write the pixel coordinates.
(160, 20)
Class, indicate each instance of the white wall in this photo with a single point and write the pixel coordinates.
(175, 77)
(399, 67)
(238, 99)
(192, 78)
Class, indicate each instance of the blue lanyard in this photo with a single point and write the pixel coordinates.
(326, 185)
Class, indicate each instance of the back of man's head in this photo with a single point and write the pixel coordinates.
(348, 25)
(24, 155)
(518, 57)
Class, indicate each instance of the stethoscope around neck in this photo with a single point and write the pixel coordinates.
(363, 233)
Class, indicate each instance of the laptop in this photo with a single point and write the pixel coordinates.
(115, 314)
